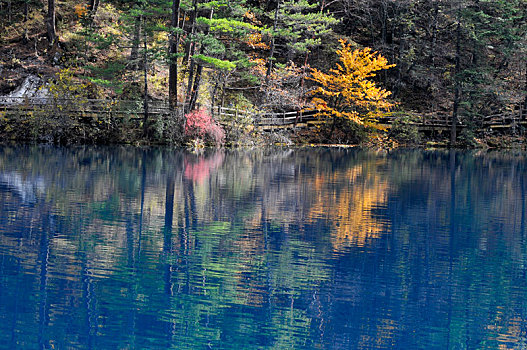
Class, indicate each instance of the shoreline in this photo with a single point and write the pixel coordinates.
(430, 145)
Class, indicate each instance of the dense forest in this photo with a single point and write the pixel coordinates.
(355, 61)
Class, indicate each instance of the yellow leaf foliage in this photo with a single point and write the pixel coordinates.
(347, 92)
(258, 66)
(255, 41)
(81, 10)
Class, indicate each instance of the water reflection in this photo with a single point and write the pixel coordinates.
(160, 248)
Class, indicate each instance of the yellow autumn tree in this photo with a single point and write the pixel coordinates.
(348, 92)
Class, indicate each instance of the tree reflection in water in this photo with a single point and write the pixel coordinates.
(310, 248)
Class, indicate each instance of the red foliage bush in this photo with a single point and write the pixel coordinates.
(200, 124)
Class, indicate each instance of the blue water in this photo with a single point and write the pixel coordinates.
(126, 248)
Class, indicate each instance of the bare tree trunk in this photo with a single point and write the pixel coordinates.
(190, 44)
(524, 112)
(332, 130)
(145, 77)
(190, 80)
(214, 92)
(134, 54)
(222, 101)
(50, 23)
(372, 28)
(400, 53)
(25, 36)
(190, 48)
(192, 93)
(457, 92)
(434, 34)
(271, 54)
(9, 11)
(195, 88)
(303, 78)
(93, 5)
(173, 50)
(384, 19)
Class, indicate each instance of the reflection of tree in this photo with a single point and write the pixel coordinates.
(207, 249)
(200, 169)
(343, 192)
(350, 204)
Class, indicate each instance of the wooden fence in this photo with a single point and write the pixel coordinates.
(272, 120)
(134, 110)
(307, 118)
(85, 107)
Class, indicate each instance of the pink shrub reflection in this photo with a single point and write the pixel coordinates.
(198, 168)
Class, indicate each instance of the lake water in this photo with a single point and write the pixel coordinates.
(126, 248)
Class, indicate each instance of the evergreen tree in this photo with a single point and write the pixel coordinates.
(298, 27)
(217, 40)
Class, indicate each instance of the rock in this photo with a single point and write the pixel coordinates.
(30, 88)
(56, 58)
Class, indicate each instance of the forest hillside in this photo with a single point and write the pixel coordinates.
(462, 60)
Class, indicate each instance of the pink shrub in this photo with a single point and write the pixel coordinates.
(199, 124)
